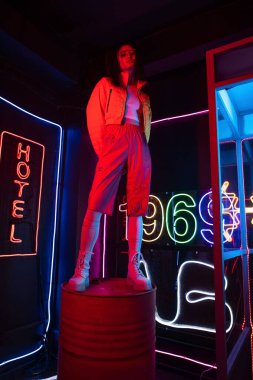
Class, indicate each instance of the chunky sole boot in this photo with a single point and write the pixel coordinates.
(135, 275)
(80, 280)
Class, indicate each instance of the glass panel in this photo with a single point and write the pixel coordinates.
(229, 185)
(235, 117)
(235, 321)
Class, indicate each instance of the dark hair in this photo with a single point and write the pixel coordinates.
(113, 69)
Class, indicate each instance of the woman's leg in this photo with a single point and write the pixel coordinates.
(138, 186)
(89, 235)
(90, 230)
(102, 196)
(135, 232)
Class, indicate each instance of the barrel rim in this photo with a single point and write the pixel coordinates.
(136, 293)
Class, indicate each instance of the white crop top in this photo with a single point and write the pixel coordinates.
(132, 105)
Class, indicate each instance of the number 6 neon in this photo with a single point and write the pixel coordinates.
(177, 212)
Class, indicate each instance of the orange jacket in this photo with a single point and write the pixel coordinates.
(107, 106)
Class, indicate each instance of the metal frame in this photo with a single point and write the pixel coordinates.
(225, 364)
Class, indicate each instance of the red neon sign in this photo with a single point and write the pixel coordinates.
(21, 170)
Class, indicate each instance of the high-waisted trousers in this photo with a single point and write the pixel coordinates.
(124, 149)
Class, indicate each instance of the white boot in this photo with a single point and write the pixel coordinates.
(135, 275)
(80, 280)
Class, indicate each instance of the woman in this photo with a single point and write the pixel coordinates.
(118, 119)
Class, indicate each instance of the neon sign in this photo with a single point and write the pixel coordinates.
(230, 214)
(153, 230)
(201, 296)
(21, 167)
(177, 212)
(189, 221)
(152, 226)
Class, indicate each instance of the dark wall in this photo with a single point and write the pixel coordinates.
(180, 147)
(179, 91)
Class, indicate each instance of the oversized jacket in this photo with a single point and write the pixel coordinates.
(107, 106)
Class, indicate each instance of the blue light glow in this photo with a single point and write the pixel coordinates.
(22, 356)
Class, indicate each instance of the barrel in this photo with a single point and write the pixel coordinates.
(107, 332)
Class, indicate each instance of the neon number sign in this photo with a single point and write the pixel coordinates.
(21, 168)
(154, 222)
(187, 221)
(123, 208)
(230, 212)
(178, 213)
(205, 212)
(181, 224)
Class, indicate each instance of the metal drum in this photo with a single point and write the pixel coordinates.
(107, 332)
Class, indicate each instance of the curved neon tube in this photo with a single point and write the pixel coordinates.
(207, 296)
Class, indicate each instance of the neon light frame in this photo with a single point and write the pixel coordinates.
(61, 136)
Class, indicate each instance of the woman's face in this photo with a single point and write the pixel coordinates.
(126, 58)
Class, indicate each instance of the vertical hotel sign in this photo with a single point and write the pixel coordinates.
(21, 170)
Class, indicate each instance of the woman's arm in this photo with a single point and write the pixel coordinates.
(95, 113)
